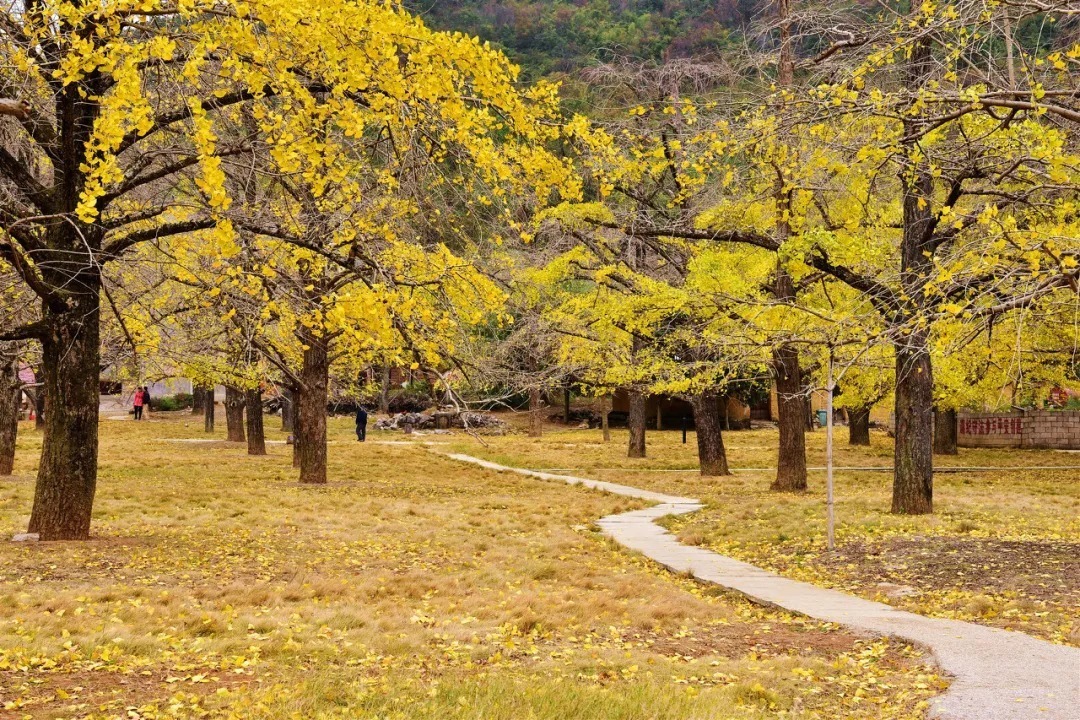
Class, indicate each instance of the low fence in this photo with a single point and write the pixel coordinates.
(1025, 429)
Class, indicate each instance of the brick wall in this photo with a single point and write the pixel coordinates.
(1028, 429)
(1049, 429)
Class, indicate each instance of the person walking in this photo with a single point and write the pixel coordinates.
(361, 424)
(146, 398)
(139, 399)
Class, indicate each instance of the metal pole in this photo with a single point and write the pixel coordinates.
(828, 452)
(683, 429)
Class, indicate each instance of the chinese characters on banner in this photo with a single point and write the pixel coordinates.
(990, 426)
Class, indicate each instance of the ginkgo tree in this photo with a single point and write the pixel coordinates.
(121, 105)
(658, 169)
(643, 325)
(930, 193)
(963, 210)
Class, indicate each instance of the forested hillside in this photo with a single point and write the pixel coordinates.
(550, 37)
(547, 36)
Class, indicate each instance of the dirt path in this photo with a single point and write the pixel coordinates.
(997, 674)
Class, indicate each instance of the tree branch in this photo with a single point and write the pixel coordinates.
(116, 247)
(30, 331)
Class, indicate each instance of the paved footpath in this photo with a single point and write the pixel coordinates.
(997, 674)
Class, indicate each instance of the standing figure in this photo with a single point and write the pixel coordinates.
(140, 398)
(146, 397)
(361, 424)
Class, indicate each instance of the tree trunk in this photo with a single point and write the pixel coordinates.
(913, 482)
(288, 409)
(67, 473)
(536, 420)
(859, 426)
(234, 414)
(636, 422)
(945, 432)
(294, 395)
(208, 410)
(256, 438)
(605, 410)
(9, 411)
(198, 397)
(384, 391)
(786, 68)
(710, 440)
(39, 401)
(314, 376)
(68, 269)
(659, 416)
(791, 405)
(793, 409)
(566, 406)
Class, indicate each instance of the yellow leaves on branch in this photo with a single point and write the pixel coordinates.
(365, 65)
(198, 82)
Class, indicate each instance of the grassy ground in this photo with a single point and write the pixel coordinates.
(409, 587)
(1003, 547)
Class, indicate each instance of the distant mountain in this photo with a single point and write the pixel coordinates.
(558, 36)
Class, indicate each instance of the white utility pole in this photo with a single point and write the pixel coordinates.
(829, 386)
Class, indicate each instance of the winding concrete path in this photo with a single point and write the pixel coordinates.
(997, 674)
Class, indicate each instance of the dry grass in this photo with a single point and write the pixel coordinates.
(1002, 549)
(410, 587)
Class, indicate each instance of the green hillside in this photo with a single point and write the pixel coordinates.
(555, 36)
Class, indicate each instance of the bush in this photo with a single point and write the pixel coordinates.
(410, 401)
(165, 403)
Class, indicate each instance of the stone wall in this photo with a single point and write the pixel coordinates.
(1052, 429)
(1027, 429)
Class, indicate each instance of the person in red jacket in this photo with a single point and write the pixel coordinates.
(140, 398)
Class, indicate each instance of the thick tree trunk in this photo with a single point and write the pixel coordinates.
(605, 410)
(234, 414)
(68, 266)
(9, 411)
(39, 401)
(536, 419)
(710, 440)
(67, 473)
(198, 398)
(294, 396)
(208, 410)
(859, 426)
(314, 376)
(384, 391)
(913, 482)
(791, 421)
(288, 409)
(256, 438)
(636, 422)
(945, 432)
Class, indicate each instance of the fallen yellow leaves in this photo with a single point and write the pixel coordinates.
(410, 587)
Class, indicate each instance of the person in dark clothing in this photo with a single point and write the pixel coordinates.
(361, 424)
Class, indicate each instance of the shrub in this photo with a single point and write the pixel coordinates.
(165, 403)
